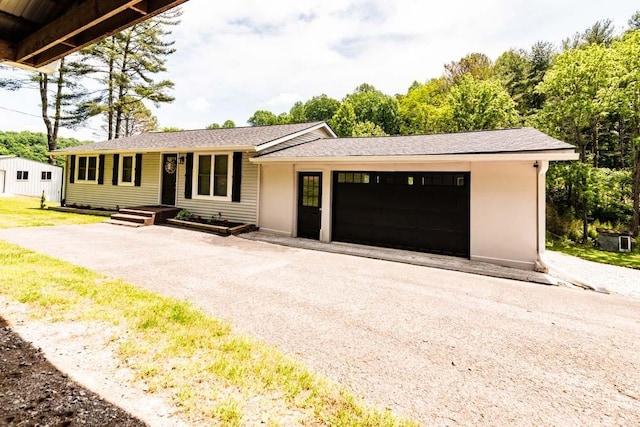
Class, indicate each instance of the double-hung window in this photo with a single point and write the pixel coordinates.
(22, 176)
(213, 172)
(87, 169)
(127, 167)
(45, 176)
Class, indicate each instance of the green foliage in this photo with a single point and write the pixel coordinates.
(476, 65)
(31, 145)
(481, 104)
(424, 110)
(229, 124)
(171, 129)
(344, 120)
(185, 215)
(371, 105)
(263, 118)
(43, 200)
(320, 108)
(367, 129)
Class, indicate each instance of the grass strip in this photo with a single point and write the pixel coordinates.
(621, 259)
(26, 212)
(211, 373)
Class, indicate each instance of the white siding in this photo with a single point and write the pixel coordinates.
(34, 185)
(243, 211)
(110, 196)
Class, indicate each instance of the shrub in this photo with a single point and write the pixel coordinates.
(185, 215)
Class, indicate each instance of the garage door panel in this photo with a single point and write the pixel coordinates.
(423, 211)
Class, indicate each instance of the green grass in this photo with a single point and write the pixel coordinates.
(622, 259)
(26, 212)
(214, 375)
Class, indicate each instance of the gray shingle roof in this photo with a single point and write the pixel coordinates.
(478, 142)
(194, 139)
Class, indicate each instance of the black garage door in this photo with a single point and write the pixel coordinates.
(423, 211)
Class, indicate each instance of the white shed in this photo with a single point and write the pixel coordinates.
(30, 178)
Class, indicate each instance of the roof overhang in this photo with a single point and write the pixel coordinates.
(275, 142)
(226, 149)
(68, 26)
(549, 155)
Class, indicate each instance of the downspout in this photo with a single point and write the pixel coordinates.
(258, 196)
(63, 185)
(541, 169)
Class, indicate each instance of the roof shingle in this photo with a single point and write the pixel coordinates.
(477, 142)
(194, 139)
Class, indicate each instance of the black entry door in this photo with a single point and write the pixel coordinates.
(309, 204)
(423, 211)
(169, 174)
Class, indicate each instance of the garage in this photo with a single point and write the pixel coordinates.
(422, 211)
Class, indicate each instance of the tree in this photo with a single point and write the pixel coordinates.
(297, 113)
(229, 124)
(513, 69)
(263, 118)
(480, 104)
(62, 98)
(343, 120)
(540, 58)
(578, 95)
(369, 104)
(171, 129)
(634, 21)
(127, 64)
(137, 118)
(367, 129)
(213, 126)
(602, 32)
(320, 108)
(423, 109)
(477, 65)
(626, 54)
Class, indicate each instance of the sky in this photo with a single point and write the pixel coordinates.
(236, 57)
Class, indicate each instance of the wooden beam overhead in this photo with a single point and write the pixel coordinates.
(142, 7)
(73, 22)
(7, 51)
(17, 20)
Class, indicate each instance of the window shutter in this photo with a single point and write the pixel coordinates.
(236, 179)
(72, 169)
(116, 165)
(138, 170)
(188, 176)
(101, 169)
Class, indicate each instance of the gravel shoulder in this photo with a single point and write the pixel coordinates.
(619, 280)
(439, 346)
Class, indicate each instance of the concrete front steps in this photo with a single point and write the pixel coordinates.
(143, 215)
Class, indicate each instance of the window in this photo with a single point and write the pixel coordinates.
(127, 165)
(88, 168)
(45, 176)
(213, 176)
(353, 178)
(22, 175)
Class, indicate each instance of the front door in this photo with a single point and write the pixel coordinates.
(169, 174)
(309, 204)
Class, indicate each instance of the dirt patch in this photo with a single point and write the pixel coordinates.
(51, 374)
(34, 392)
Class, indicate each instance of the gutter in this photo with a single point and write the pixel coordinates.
(248, 148)
(527, 156)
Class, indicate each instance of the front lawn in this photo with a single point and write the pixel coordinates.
(622, 259)
(26, 212)
(214, 375)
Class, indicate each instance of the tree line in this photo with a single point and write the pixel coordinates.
(585, 92)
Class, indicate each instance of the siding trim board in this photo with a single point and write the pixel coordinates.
(116, 165)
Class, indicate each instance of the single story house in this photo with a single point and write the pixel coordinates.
(478, 195)
(30, 178)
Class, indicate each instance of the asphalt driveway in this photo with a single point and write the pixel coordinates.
(440, 346)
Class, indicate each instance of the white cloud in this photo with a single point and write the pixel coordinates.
(234, 58)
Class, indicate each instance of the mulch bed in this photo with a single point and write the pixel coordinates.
(34, 393)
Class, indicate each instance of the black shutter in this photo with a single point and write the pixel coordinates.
(116, 165)
(188, 176)
(236, 180)
(72, 169)
(138, 169)
(101, 169)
